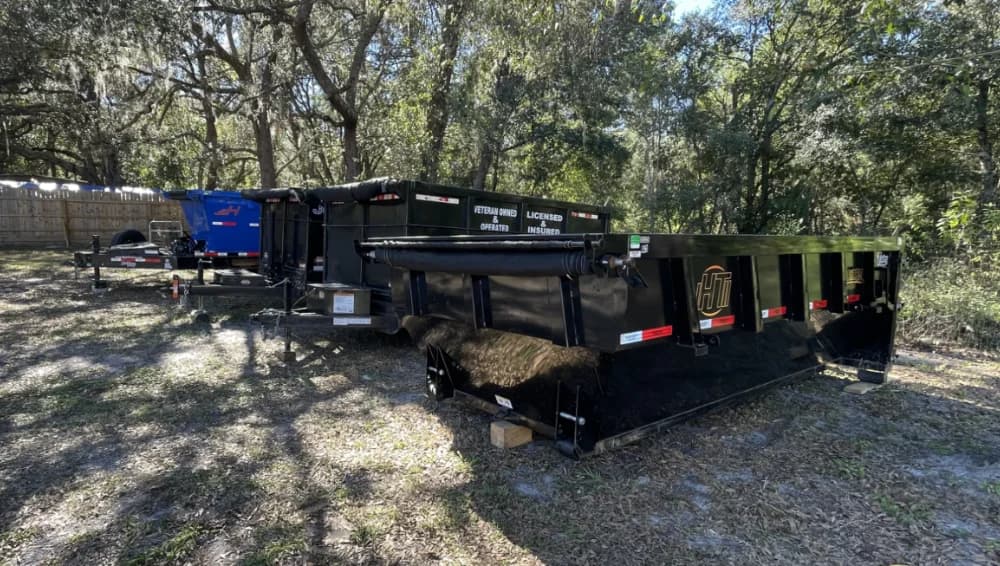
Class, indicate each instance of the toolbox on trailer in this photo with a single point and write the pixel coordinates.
(339, 299)
(597, 339)
(239, 277)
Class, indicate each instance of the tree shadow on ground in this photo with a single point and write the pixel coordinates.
(799, 474)
(203, 448)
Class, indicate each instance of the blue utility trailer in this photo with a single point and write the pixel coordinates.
(224, 230)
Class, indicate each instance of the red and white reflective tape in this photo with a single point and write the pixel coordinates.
(853, 298)
(136, 259)
(227, 223)
(587, 215)
(226, 254)
(717, 322)
(818, 304)
(647, 334)
(438, 199)
(771, 313)
(392, 196)
(273, 200)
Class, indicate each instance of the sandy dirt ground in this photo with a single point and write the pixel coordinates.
(130, 435)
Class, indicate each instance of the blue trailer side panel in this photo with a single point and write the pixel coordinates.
(224, 219)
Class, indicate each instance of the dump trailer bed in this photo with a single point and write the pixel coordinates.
(597, 339)
(355, 293)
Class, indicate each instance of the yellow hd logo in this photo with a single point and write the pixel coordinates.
(713, 290)
(855, 276)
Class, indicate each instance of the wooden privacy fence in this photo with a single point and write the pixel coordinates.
(35, 217)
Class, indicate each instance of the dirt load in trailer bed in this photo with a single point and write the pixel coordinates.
(134, 436)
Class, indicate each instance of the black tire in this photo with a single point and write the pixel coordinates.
(129, 236)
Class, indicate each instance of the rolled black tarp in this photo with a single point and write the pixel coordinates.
(263, 195)
(522, 263)
(354, 192)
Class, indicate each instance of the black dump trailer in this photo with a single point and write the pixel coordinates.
(291, 235)
(291, 252)
(598, 339)
(355, 293)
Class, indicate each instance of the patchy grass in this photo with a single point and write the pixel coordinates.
(906, 513)
(992, 488)
(175, 549)
(131, 435)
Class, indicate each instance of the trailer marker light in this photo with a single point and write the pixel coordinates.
(255, 224)
(854, 298)
(587, 215)
(438, 199)
(707, 323)
(776, 311)
(817, 304)
(647, 334)
(228, 223)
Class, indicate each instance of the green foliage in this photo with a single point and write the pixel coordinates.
(810, 117)
(952, 301)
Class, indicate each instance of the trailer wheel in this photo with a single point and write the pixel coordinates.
(128, 236)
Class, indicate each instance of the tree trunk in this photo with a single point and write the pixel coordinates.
(352, 153)
(486, 156)
(988, 195)
(437, 113)
(265, 149)
(763, 215)
(211, 130)
(341, 94)
(211, 145)
(746, 217)
(262, 118)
